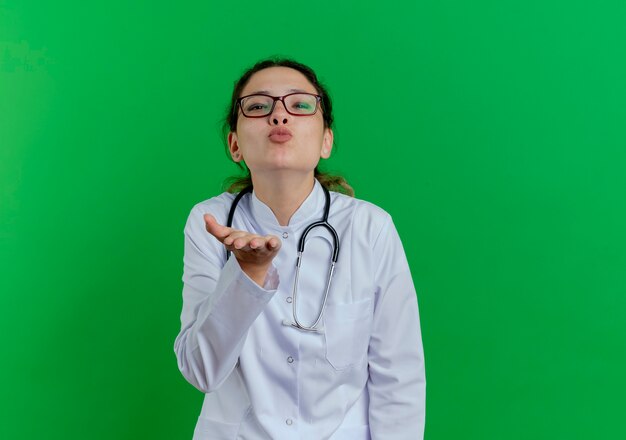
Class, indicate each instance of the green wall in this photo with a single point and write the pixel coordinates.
(496, 138)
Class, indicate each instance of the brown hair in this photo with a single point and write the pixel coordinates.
(236, 183)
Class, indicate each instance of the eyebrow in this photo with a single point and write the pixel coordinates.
(266, 92)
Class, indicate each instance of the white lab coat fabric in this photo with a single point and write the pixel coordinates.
(362, 377)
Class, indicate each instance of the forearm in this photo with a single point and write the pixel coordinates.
(397, 382)
(209, 345)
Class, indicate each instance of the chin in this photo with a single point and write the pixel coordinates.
(284, 166)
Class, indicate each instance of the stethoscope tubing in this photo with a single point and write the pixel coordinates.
(322, 223)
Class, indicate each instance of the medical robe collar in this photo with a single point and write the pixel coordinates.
(311, 208)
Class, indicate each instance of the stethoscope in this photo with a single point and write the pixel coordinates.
(323, 223)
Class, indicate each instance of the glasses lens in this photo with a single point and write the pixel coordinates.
(301, 104)
(256, 105)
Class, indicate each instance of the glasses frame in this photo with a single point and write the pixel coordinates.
(318, 99)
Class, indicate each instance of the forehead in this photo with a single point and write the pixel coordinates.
(277, 81)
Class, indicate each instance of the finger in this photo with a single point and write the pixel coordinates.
(234, 235)
(272, 242)
(214, 228)
(259, 241)
(243, 242)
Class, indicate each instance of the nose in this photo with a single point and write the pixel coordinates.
(279, 114)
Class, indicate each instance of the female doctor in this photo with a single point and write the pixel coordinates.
(289, 347)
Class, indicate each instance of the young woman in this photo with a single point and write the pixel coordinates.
(300, 319)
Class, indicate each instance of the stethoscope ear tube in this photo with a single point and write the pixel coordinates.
(323, 223)
(326, 225)
(231, 213)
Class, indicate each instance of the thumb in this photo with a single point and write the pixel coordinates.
(214, 228)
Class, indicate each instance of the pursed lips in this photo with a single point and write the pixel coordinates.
(280, 135)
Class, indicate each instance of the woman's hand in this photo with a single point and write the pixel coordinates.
(253, 252)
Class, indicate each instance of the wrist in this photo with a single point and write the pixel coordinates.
(256, 272)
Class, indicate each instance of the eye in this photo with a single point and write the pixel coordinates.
(301, 105)
(256, 106)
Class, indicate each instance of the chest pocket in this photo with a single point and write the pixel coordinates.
(347, 331)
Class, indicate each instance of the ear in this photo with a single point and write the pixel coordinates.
(233, 147)
(327, 143)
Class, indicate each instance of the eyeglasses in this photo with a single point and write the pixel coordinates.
(297, 104)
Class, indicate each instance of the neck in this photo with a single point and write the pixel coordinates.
(283, 193)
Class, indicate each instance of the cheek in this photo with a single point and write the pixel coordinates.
(246, 134)
(315, 132)
(319, 141)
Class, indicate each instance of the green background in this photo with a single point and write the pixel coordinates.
(495, 137)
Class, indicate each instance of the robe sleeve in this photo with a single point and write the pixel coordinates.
(397, 381)
(220, 303)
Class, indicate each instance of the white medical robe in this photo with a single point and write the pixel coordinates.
(361, 377)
